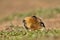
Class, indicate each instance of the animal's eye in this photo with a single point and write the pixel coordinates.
(42, 24)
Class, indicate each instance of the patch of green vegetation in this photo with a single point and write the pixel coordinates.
(57, 10)
(19, 33)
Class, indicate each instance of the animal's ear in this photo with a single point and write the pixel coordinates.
(34, 16)
(42, 24)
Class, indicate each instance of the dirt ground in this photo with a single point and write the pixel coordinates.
(8, 7)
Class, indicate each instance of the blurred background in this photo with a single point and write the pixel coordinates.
(8, 7)
(12, 13)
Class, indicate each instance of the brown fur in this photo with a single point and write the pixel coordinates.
(33, 23)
